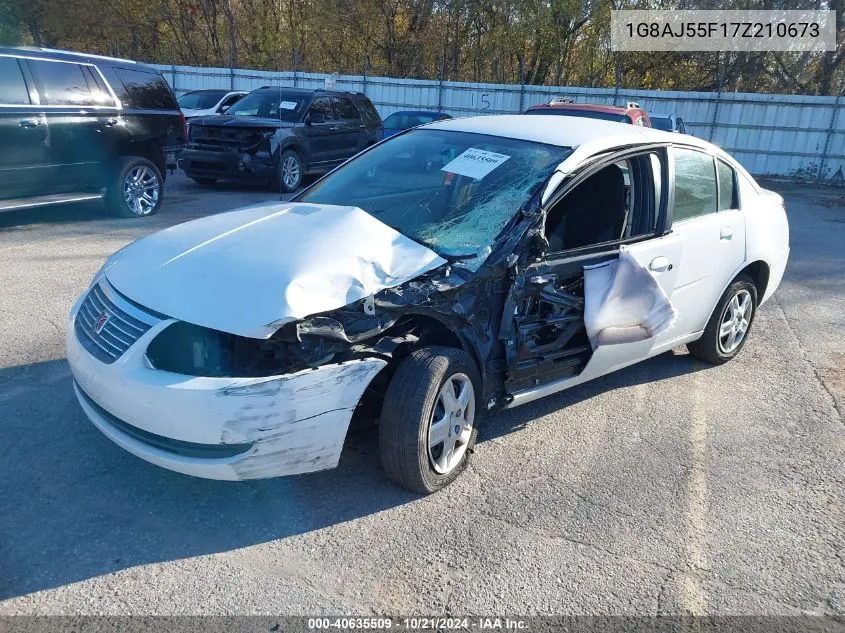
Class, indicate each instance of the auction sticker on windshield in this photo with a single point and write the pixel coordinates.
(288, 105)
(475, 163)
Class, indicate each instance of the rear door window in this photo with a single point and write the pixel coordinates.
(61, 83)
(696, 192)
(12, 84)
(727, 186)
(144, 90)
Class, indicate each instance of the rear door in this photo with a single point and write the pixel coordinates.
(707, 219)
(25, 167)
(80, 116)
(352, 136)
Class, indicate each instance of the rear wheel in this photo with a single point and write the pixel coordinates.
(729, 325)
(137, 188)
(429, 419)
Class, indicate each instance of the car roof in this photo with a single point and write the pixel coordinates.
(566, 131)
(589, 107)
(305, 92)
(34, 52)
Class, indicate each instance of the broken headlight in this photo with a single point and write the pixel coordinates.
(183, 348)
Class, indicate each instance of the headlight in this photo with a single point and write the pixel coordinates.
(191, 350)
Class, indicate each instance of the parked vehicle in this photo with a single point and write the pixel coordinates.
(79, 127)
(208, 102)
(668, 123)
(458, 266)
(406, 119)
(276, 135)
(562, 106)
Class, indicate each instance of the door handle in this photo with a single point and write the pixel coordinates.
(726, 233)
(30, 123)
(110, 122)
(334, 128)
(660, 264)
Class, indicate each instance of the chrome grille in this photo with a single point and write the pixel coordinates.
(119, 322)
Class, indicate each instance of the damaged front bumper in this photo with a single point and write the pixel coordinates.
(232, 164)
(220, 428)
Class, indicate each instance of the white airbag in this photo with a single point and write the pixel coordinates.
(623, 302)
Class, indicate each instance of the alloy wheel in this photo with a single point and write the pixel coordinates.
(450, 428)
(735, 321)
(141, 190)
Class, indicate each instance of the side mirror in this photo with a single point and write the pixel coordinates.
(315, 117)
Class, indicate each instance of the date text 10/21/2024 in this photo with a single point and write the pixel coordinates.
(418, 623)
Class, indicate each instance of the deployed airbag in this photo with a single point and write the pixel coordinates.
(623, 302)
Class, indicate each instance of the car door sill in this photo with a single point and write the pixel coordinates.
(43, 201)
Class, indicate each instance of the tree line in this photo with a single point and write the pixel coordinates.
(542, 42)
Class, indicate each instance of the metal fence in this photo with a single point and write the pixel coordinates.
(791, 136)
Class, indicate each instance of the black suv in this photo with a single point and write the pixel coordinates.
(276, 135)
(81, 127)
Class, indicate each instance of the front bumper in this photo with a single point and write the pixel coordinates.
(227, 165)
(219, 428)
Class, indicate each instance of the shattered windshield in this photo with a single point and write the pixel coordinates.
(451, 191)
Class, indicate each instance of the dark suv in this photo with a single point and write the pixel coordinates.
(81, 127)
(276, 135)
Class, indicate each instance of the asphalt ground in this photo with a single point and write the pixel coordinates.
(668, 487)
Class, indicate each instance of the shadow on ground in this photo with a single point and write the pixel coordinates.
(76, 506)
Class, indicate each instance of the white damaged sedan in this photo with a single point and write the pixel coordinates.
(459, 266)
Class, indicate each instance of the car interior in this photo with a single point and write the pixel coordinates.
(617, 202)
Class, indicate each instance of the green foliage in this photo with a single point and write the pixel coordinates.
(554, 42)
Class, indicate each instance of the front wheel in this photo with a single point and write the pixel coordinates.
(430, 418)
(137, 188)
(729, 325)
(289, 172)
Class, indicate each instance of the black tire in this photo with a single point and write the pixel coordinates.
(116, 201)
(409, 404)
(278, 182)
(709, 347)
(204, 181)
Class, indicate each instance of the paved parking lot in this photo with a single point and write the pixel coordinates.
(668, 487)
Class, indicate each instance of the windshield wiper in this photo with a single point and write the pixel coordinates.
(458, 258)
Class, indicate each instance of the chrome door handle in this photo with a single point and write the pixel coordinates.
(726, 233)
(29, 123)
(660, 264)
(110, 122)
(334, 128)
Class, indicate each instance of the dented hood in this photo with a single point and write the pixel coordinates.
(249, 271)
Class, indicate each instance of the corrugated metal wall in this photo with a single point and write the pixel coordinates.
(779, 135)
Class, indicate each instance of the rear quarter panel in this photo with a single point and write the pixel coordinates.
(766, 232)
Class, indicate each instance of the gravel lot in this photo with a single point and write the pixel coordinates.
(668, 487)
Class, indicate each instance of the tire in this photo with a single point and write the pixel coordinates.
(204, 181)
(280, 182)
(413, 398)
(718, 345)
(136, 188)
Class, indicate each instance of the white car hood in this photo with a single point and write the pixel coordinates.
(249, 271)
